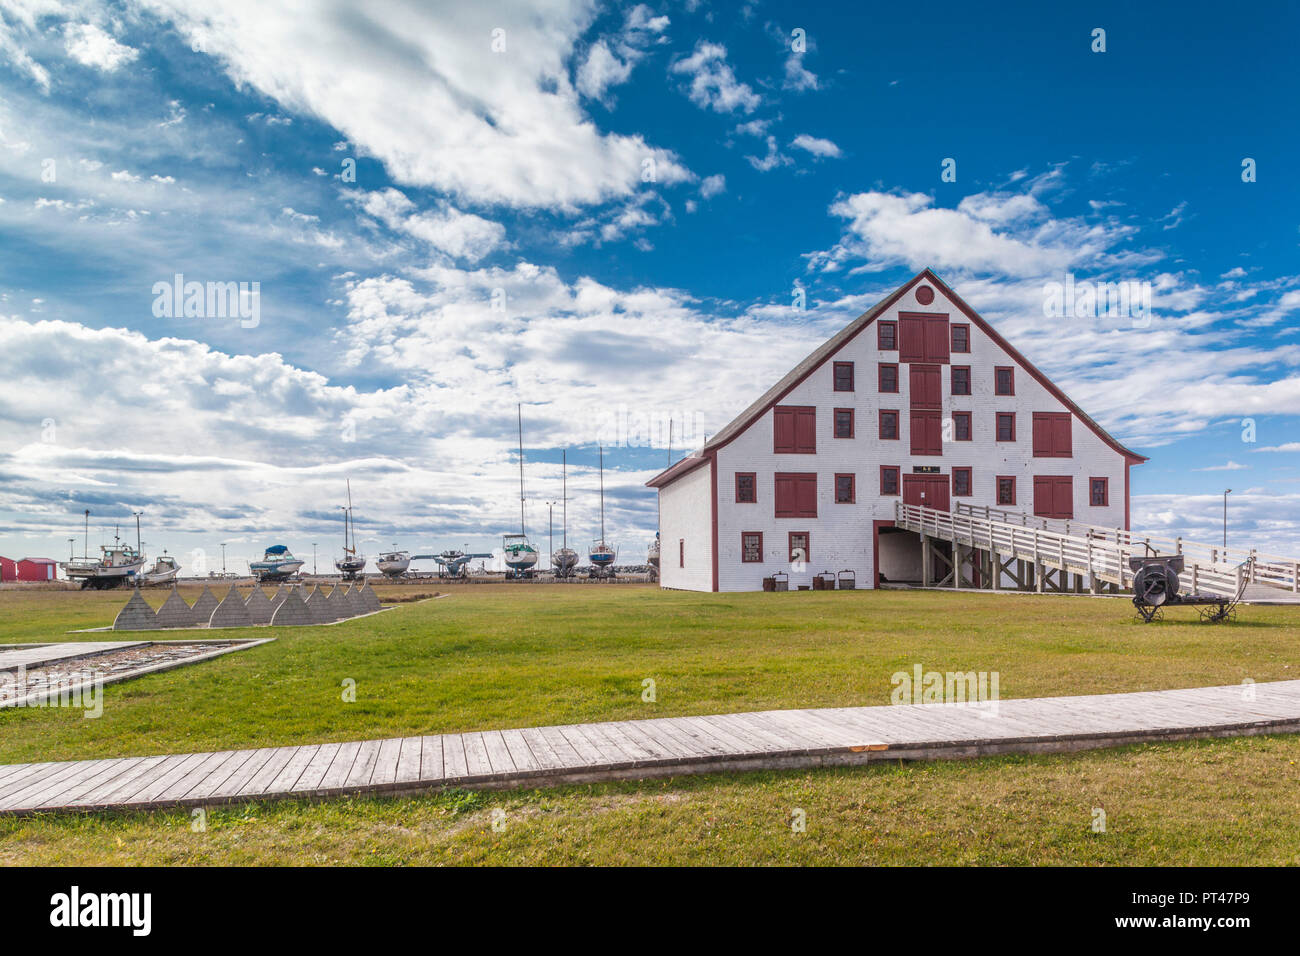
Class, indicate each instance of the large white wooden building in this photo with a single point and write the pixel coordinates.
(919, 400)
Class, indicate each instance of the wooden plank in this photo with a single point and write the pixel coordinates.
(542, 750)
(121, 786)
(107, 769)
(287, 779)
(219, 775)
(476, 755)
(428, 758)
(520, 752)
(455, 766)
(233, 784)
(408, 760)
(498, 752)
(589, 755)
(364, 766)
(62, 778)
(149, 794)
(385, 772)
(608, 749)
(561, 747)
(258, 782)
(336, 777)
(313, 774)
(180, 789)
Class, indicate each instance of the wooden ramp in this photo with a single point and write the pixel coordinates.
(990, 546)
(546, 756)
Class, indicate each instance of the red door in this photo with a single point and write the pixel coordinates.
(1054, 496)
(926, 430)
(927, 491)
(924, 388)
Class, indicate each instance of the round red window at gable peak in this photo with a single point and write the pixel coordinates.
(924, 294)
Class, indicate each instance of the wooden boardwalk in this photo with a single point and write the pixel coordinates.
(545, 756)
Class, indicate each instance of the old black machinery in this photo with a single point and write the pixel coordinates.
(1156, 587)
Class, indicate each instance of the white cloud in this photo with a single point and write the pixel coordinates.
(431, 99)
(447, 229)
(818, 147)
(713, 185)
(713, 84)
(797, 76)
(772, 160)
(91, 46)
(601, 70)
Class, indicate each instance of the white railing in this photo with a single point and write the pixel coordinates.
(1270, 569)
(1105, 559)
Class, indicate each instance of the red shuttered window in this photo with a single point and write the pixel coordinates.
(846, 489)
(889, 479)
(927, 431)
(923, 338)
(796, 494)
(962, 483)
(1054, 496)
(794, 430)
(1052, 435)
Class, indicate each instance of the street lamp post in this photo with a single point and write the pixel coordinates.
(1226, 492)
(550, 521)
(313, 558)
(70, 543)
(223, 559)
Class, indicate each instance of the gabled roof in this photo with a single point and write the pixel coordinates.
(832, 345)
(674, 471)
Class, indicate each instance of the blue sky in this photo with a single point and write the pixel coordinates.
(646, 185)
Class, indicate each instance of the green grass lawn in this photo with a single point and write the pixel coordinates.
(514, 656)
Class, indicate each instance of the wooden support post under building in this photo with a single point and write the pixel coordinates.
(926, 560)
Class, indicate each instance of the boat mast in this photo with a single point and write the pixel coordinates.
(602, 496)
(519, 409)
(86, 547)
(564, 499)
(347, 522)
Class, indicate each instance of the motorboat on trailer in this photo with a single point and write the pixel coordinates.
(652, 553)
(520, 556)
(277, 564)
(163, 571)
(393, 564)
(453, 564)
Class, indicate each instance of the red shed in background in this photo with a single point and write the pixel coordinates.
(8, 569)
(37, 569)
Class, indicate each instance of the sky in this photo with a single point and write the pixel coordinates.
(628, 219)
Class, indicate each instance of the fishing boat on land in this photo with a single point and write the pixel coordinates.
(277, 564)
(163, 571)
(519, 554)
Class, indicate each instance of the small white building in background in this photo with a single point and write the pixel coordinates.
(919, 400)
